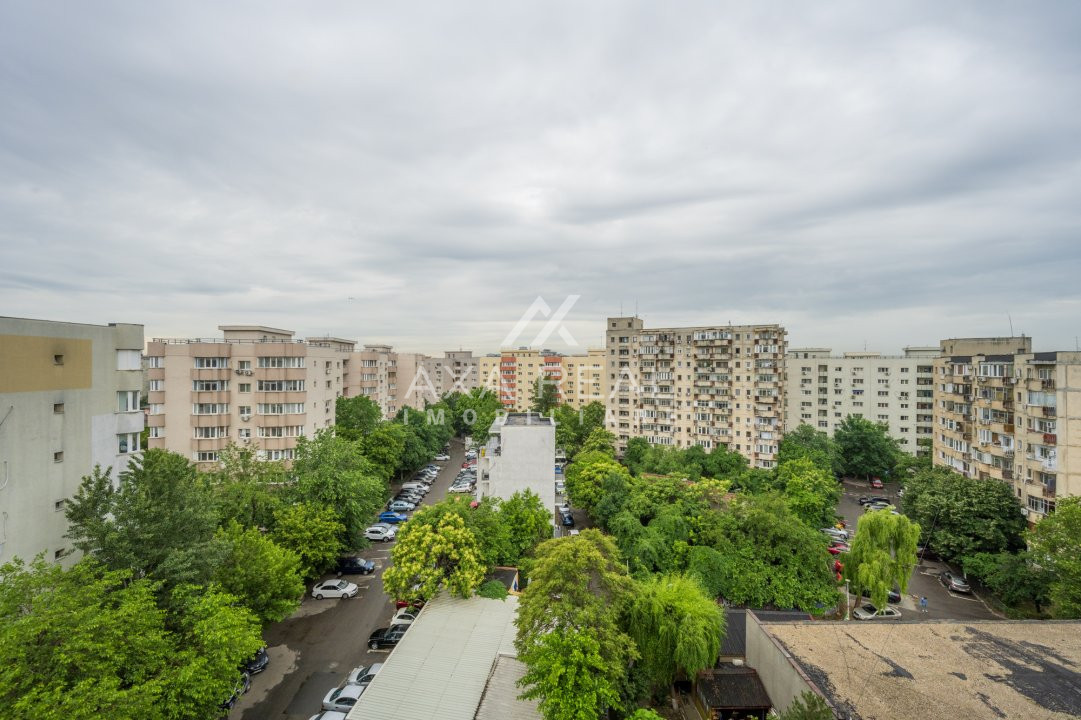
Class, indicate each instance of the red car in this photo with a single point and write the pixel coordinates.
(876, 483)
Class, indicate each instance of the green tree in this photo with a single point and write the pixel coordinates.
(88, 643)
(475, 411)
(1013, 577)
(245, 488)
(159, 521)
(644, 714)
(570, 676)
(1056, 546)
(815, 445)
(865, 447)
(586, 475)
(636, 453)
(807, 706)
(962, 516)
(427, 557)
(677, 627)
(527, 522)
(574, 426)
(811, 492)
(312, 533)
(708, 567)
(355, 417)
(333, 472)
(384, 446)
(577, 592)
(882, 554)
(264, 575)
(601, 441)
(545, 396)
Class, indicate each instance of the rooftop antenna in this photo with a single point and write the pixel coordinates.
(636, 307)
(621, 308)
(1011, 323)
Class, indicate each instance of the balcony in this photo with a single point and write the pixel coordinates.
(1050, 411)
(1050, 439)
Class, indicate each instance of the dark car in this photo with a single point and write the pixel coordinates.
(386, 637)
(567, 519)
(954, 582)
(355, 566)
(243, 685)
(893, 596)
(926, 553)
(868, 499)
(257, 663)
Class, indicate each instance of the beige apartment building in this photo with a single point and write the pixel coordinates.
(706, 386)
(255, 386)
(373, 373)
(1003, 412)
(513, 374)
(824, 389)
(394, 380)
(69, 400)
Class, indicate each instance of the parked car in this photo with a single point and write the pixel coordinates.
(405, 616)
(329, 715)
(382, 532)
(355, 566)
(409, 497)
(415, 604)
(442, 457)
(561, 487)
(926, 553)
(335, 588)
(868, 612)
(876, 483)
(837, 549)
(243, 685)
(257, 663)
(836, 533)
(878, 506)
(893, 596)
(566, 518)
(363, 674)
(421, 488)
(954, 582)
(386, 637)
(392, 517)
(343, 698)
(460, 488)
(868, 499)
(401, 506)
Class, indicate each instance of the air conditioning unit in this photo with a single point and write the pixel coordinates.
(248, 372)
(239, 371)
(245, 440)
(245, 418)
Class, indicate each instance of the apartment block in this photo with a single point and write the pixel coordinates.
(519, 456)
(1003, 412)
(708, 386)
(578, 379)
(69, 400)
(373, 373)
(395, 380)
(255, 385)
(824, 389)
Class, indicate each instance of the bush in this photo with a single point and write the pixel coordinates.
(493, 589)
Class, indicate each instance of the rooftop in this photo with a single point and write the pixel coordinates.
(523, 419)
(446, 665)
(930, 670)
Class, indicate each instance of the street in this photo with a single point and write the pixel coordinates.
(941, 603)
(312, 651)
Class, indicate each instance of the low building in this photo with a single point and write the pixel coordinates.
(69, 400)
(457, 662)
(731, 692)
(519, 455)
(938, 670)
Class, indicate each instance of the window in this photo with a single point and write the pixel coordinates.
(282, 385)
(127, 401)
(209, 433)
(244, 433)
(211, 363)
(58, 506)
(245, 387)
(129, 360)
(286, 454)
(59, 554)
(155, 361)
(58, 408)
(157, 432)
(280, 408)
(58, 456)
(210, 456)
(58, 359)
(281, 362)
(127, 443)
(243, 364)
(156, 385)
(210, 409)
(210, 385)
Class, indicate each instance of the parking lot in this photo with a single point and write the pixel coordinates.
(941, 603)
(313, 650)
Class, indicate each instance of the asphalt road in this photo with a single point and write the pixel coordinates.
(942, 604)
(312, 651)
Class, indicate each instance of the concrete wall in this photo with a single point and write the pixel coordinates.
(525, 461)
(783, 679)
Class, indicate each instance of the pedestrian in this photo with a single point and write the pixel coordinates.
(923, 604)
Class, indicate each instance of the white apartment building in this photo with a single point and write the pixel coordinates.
(254, 386)
(824, 389)
(519, 456)
(706, 386)
(69, 400)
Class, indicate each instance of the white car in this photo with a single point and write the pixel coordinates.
(836, 533)
(460, 488)
(404, 616)
(442, 457)
(343, 698)
(381, 531)
(329, 715)
(363, 674)
(867, 612)
(335, 588)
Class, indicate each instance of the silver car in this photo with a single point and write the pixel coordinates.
(363, 674)
(335, 588)
(381, 531)
(868, 612)
(343, 698)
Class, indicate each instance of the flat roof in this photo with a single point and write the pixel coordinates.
(942, 669)
(255, 328)
(442, 666)
(523, 419)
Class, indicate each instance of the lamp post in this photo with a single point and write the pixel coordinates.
(847, 604)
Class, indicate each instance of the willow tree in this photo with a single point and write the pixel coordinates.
(677, 626)
(882, 554)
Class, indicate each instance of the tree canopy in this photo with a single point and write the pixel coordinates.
(430, 555)
(865, 447)
(882, 554)
(814, 445)
(1056, 546)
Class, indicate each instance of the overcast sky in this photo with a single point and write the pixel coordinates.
(867, 174)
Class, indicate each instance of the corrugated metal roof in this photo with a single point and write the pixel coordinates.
(500, 701)
(441, 666)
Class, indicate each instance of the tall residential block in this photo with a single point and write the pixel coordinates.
(69, 400)
(578, 379)
(373, 373)
(824, 389)
(709, 386)
(1005, 413)
(254, 386)
(519, 456)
